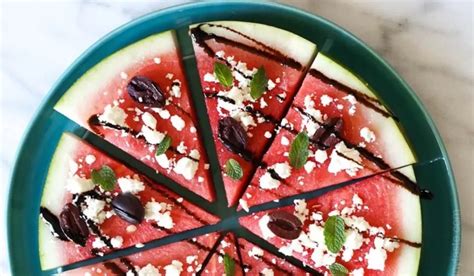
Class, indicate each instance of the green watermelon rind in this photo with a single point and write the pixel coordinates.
(401, 155)
(270, 36)
(53, 199)
(88, 86)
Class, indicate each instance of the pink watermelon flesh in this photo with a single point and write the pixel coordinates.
(387, 210)
(317, 174)
(114, 92)
(189, 253)
(216, 263)
(255, 261)
(286, 79)
(185, 215)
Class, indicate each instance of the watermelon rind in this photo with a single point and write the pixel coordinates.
(87, 87)
(290, 44)
(52, 198)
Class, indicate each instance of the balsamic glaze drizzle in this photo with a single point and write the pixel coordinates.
(94, 123)
(360, 97)
(200, 37)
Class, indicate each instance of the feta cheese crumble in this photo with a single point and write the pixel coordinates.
(174, 269)
(367, 134)
(114, 115)
(130, 185)
(177, 122)
(159, 212)
(339, 162)
(186, 167)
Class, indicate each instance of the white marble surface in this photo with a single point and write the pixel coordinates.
(429, 43)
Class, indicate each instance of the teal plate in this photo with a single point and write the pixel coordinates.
(441, 220)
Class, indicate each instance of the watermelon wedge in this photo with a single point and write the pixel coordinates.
(351, 135)
(249, 78)
(180, 258)
(138, 100)
(378, 221)
(252, 261)
(80, 220)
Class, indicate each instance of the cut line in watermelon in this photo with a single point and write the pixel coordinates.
(105, 101)
(244, 47)
(368, 141)
(247, 259)
(181, 258)
(398, 228)
(69, 181)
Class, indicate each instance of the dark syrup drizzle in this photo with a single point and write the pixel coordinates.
(200, 37)
(95, 123)
(361, 97)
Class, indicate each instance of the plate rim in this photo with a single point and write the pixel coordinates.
(130, 25)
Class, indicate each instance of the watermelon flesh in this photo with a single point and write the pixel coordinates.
(377, 213)
(370, 140)
(253, 261)
(245, 47)
(100, 101)
(71, 166)
(182, 258)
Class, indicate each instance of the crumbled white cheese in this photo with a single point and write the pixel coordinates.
(90, 159)
(186, 167)
(123, 75)
(181, 148)
(177, 122)
(157, 60)
(152, 136)
(243, 204)
(267, 134)
(357, 272)
(320, 156)
(195, 154)
(130, 185)
(354, 241)
(285, 141)
(339, 162)
(174, 269)
(176, 89)
(282, 169)
(255, 252)
(263, 103)
(169, 76)
(148, 270)
(94, 210)
(160, 213)
(326, 100)
(98, 243)
(267, 272)
(114, 115)
(149, 120)
(309, 166)
(376, 259)
(301, 210)
(263, 224)
(76, 184)
(268, 182)
(116, 241)
(208, 77)
(192, 129)
(270, 85)
(131, 228)
(367, 134)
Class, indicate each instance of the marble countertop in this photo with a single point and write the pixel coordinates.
(429, 43)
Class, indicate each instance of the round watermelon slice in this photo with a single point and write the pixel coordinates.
(381, 222)
(367, 139)
(180, 258)
(69, 181)
(138, 100)
(243, 48)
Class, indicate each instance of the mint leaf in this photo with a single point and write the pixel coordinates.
(338, 270)
(258, 84)
(233, 169)
(229, 265)
(163, 146)
(223, 74)
(105, 177)
(299, 150)
(334, 234)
